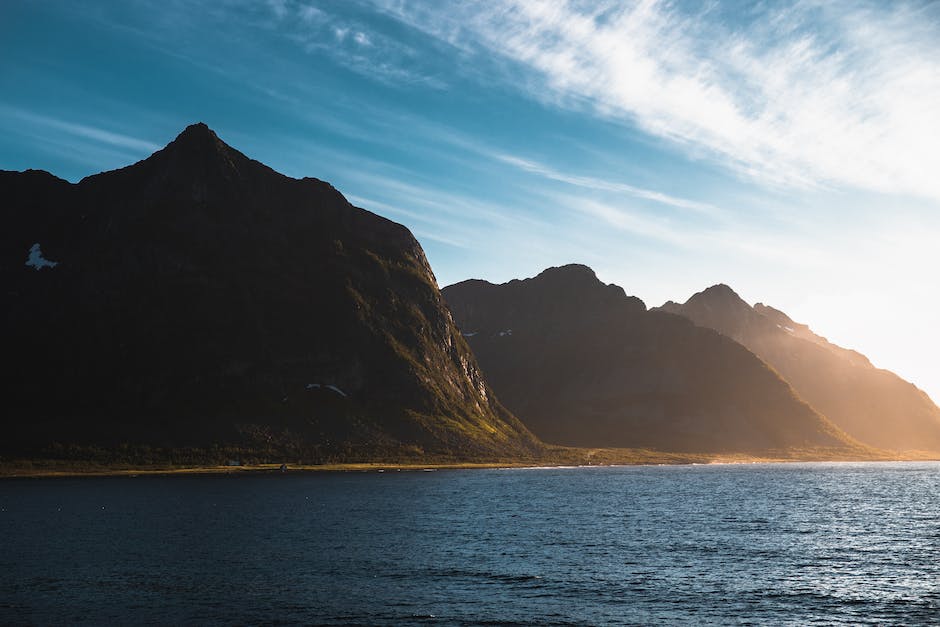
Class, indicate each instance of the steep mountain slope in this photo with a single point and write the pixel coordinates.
(875, 406)
(583, 364)
(199, 297)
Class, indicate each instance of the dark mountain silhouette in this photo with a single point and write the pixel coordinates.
(581, 363)
(200, 298)
(875, 406)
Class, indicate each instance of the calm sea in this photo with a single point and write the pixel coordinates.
(772, 544)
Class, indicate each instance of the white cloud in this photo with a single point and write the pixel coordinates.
(278, 7)
(804, 94)
(683, 238)
(446, 208)
(602, 185)
(413, 217)
(342, 37)
(83, 131)
(309, 14)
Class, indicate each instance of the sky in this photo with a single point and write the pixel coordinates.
(788, 149)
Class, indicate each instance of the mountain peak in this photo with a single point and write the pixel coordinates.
(198, 138)
(719, 296)
(718, 307)
(579, 281)
(875, 406)
(569, 272)
(556, 298)
(198, 128)
(719, 290)
(196, 163)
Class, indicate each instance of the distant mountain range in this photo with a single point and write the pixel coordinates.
(873, 405)
(199, 298)
(583, 364)
(200, 301)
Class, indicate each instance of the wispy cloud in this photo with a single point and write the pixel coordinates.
(603, 185)
(457, 210)
(80, 148)
(680, 236)
(803, 93)
(439, 141)
(350, 42)
(413, 217)
(626, 220)
(94, 133)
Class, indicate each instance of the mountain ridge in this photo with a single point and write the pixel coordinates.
(582, 364)
(202, 297)
(873, 405)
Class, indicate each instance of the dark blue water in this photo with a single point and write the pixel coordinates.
(757, 544)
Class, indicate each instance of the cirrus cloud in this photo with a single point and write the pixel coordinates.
(796, 93)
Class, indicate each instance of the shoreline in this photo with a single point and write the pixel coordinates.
(57, 469)
(248, 469)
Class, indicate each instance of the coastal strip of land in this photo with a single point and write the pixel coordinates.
(560, 457)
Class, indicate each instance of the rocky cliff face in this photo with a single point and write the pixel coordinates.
(199, 297)
(875, 406)
(582, 363)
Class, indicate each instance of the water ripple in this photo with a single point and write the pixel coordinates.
(793, 544)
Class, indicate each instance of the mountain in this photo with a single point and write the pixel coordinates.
(873, 405)
(583, 364)
(198, 298)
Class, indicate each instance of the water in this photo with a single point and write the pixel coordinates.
(757, 544)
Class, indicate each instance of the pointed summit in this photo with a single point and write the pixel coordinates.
(199, 129)
(718, 307)
(199, 152)
(719, 293)
(196, 166)
(199, 148)
(198, 137)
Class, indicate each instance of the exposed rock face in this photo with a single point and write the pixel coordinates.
(875, 406)
(199, 297)
(581, 363)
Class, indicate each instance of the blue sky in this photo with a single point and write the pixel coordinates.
(789, 149)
